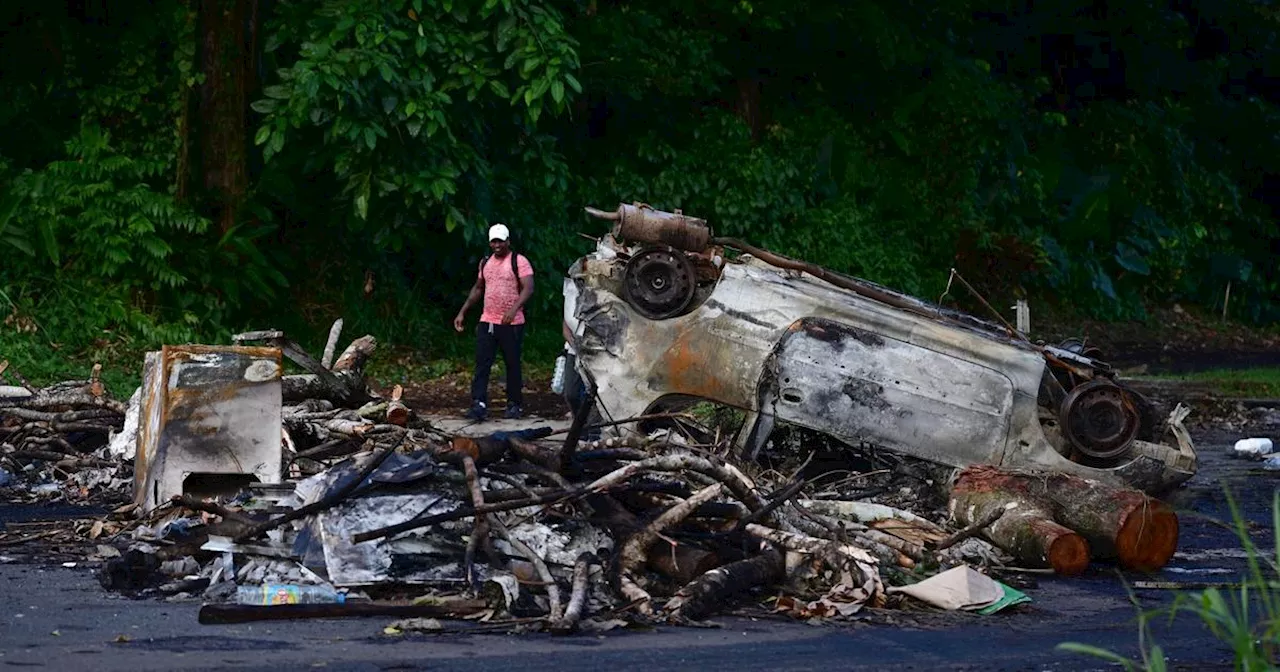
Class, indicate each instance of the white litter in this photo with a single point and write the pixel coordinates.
(1253, 447)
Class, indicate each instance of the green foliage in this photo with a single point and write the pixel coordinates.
(1252, 382)
(410, 104)
(12, 234)
(793, 191)
(1107, 156)
(99, 204)
(56, 329)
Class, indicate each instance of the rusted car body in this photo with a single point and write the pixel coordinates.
(661, 315)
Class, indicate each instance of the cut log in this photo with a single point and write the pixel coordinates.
(712, 590)
(356, 354)
(397, 412)
(15, 393)
(1118, 522)
(351, 390)
(344, 384)
(681, 563)
(1026, 529)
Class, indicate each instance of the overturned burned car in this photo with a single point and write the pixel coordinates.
(663, 315)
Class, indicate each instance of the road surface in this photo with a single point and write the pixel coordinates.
(60, 618)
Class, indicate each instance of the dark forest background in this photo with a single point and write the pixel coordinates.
(179, 171)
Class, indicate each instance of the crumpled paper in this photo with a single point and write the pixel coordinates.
(963, 588)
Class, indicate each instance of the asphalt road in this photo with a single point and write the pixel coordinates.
(60, 618)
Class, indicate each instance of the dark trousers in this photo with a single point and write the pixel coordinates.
(490, 338)
(575, 393)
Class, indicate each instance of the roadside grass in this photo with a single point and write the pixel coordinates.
(57, 330)
(1246, 619)
(1257, 382)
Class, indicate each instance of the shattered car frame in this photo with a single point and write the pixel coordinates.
(663, 315)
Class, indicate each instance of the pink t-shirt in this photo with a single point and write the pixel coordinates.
(500, 289)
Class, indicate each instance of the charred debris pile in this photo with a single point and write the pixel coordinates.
(271, 496)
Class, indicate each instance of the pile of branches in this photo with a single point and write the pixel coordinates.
(691, 530)
(53, 434)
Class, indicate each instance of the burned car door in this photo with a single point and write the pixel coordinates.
(859, 386)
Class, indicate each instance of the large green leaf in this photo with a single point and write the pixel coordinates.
(50, 239)
(1131, 260)
(10, 233)
(1101, 280)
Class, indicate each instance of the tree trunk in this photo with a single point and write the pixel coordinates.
(356, 354)
(226, 40)
(748, 105)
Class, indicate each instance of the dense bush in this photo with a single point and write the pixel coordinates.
(1103, 155)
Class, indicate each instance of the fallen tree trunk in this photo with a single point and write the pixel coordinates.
(344, 384)
(1117, 522)
(1026, 529)
(300, 387)
(56, 397)
(356, 354)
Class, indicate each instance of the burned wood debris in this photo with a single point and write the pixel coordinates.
(272, 496)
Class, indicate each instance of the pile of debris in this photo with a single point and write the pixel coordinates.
(54, 442)
(285, 496)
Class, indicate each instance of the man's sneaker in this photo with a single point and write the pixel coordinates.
(478, 411)
(514, 412)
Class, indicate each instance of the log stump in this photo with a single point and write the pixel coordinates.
(1027, 529)
(1117, 522)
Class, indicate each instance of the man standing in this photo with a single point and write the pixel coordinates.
(505, 280)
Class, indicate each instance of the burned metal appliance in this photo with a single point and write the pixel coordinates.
(210, 421)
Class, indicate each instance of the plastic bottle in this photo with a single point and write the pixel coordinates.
(1256, 447)
(557, 379)
(270, 594)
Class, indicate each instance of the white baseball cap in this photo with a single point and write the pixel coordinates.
(499, 232)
